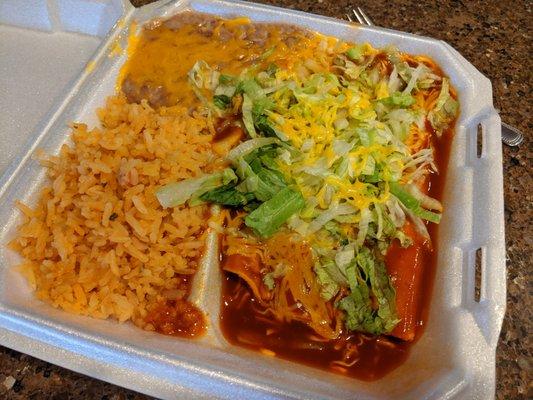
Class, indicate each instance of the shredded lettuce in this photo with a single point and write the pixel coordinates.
(327, 150)
(368, 280)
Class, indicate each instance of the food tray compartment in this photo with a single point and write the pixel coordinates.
(454, 357)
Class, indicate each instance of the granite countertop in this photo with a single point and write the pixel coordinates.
(494, 35)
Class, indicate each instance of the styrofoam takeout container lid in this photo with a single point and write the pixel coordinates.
(455, 357)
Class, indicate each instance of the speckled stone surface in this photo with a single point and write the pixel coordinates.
(493, 35)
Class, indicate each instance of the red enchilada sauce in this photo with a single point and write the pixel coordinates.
(244, 323)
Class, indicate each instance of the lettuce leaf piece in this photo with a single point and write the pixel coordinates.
(202, 76)
(410, 202)
(228, 195)
(328, 287)
(332, 227)
(226, 90)
(381, 287)
(269, 161)
(415, 77)
(399, 99)
(344, 257)
(267, 53)
(272, 69)
(175, 194)
(269, 150)
(336, 273)
(224, 79)
(256, 178)
(331, 277)
(251, 88)
(248, 146)
(355, 53)
(358, 312)
(327, 215)
(261, 105)
(266, 219)
(247, 116)
(255, 104)
(274, 179)
(445, 110)
(269, 279)
(251, 206)
(260, 189)
(264, 126)
(222, 101)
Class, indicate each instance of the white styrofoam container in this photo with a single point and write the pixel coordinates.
(455, 357)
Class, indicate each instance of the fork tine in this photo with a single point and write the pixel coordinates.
(359, 17)
(366, 18)
(349, 17)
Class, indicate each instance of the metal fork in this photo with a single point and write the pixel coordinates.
(511, 136)
(362, 18)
